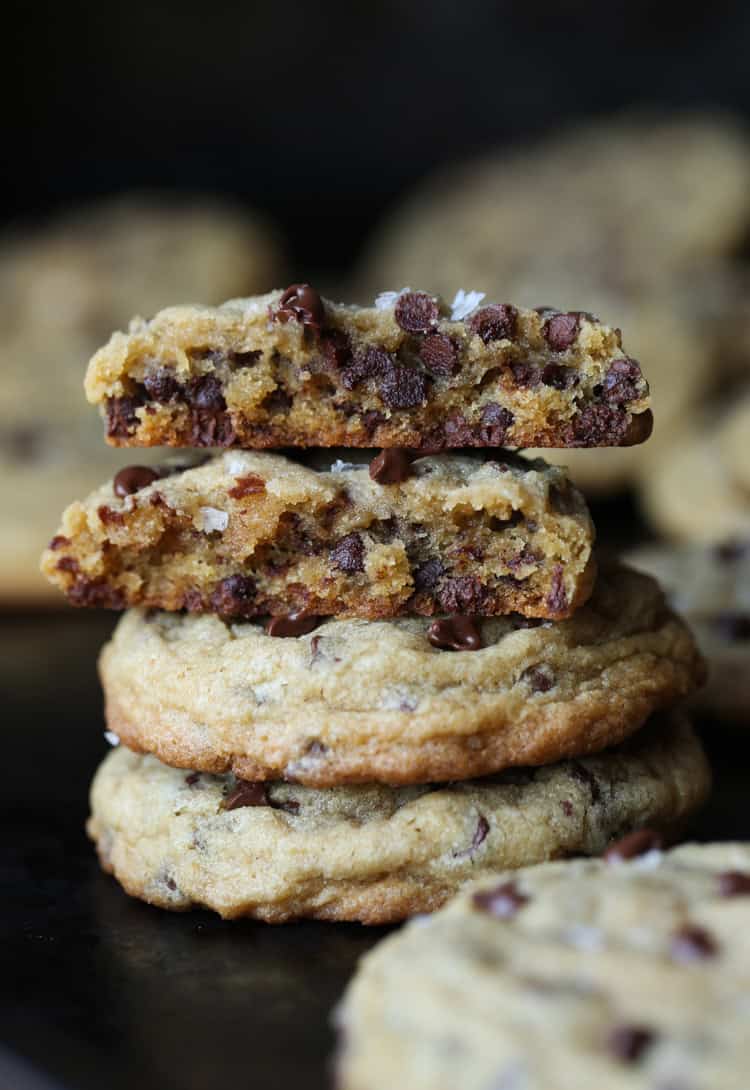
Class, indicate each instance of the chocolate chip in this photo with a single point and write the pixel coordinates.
(729, 552)
(628, 1043)
(402, 387)
(234, 596)
(622, 382)
(585, 776)
(503, 902)
(463, 594)
(245, 794)
(133, 479)
(561, 330)
(58, 541)
(391, 466)
(251, 485)
(481, 830)
(161, 385)
(692, 943)
(495, 422)
(206, 392)
(598, 425)
(192, 778)
(557, 599)
(439, 354)
(300, 303)
(634, 844)
(68, 564)
(348, 555)
(96, 592)
(366, 363)
(109, 515)
(456, 633)
(121, 415)
(336, 349)
(540, 678)
(294, 624)
(559, 377)
(494, 323)
(416, 311)
(427, 574)
(734, 883)
(525, 374)
(732, 626)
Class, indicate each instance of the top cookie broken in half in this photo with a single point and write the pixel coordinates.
(292, 369)
(248, 534)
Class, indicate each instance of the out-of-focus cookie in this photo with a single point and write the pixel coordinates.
(372, 853)
(627, 973)
(710, 586)
(62, 289)
(407, 700)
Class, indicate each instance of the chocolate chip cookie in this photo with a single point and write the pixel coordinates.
(626, 973)
(248, 534)
(710, 586)
(376, 854)
(406, 700)
(292, 369)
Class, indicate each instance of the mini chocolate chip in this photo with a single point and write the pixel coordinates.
(121, 415)
(336, 349)
(133, 479)
(348, 555)
(494, 323)
(734, 883)
(300, 303)
(503, 902)
(628, 1043)
(638, 429)
(561, 330)
(559, 377)
(294, 624)
(161, 385)
(251, 485)
(69, 564)
(540, 678)
(367, 363)
(457, 633)
(567, 807)
(427, 574)
(391, 466)
(234, 596)
(439, 354)
(634, 844)
(557, 599)
(622, 381)
(463, 594)
(481, 830)
(692, 943)
(109, 515)
(205, 392)
(495, 422)
(525, 374)
(192, 778)
(245, 794)
(732, 626)
(58, 541)
(597, 425)
(416, 311)
(402, 387)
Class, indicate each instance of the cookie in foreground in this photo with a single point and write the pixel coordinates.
(293, 369)
(377, 854)
(407, 700)
(249, 534)
(626, 973)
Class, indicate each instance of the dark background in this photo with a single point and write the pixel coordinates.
(322, 113)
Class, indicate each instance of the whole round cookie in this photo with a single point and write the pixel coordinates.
(397, 701)
(373, 853)
(63, 287)
(710, 586)
(626, 973)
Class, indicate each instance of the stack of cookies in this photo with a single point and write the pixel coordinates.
(348, 682)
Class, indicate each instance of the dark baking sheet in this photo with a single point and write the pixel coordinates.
(97, 990)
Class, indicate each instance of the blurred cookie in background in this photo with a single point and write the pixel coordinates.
(636, 216)
(699, 487)
(63, 288)
(710, 586)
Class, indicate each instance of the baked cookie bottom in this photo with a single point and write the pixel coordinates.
(579, 975)
(377, 701)
(372, 853)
